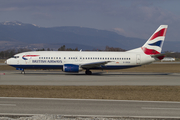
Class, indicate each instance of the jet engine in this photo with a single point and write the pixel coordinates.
(71, 68)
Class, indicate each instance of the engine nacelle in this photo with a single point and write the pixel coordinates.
(71, 68)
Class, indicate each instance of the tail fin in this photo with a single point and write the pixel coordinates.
(154, 44)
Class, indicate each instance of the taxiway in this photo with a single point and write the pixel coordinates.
(97, 79)
(92, 107)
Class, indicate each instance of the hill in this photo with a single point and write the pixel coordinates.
(20, 35)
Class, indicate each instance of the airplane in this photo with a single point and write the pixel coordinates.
(75, 61)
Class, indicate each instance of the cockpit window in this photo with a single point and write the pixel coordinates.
(15, 57)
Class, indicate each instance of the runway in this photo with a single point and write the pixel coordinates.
(80, 79)
(108, 108)
(22, 106)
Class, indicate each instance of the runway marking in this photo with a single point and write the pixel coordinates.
(160, 108)
(7, 104)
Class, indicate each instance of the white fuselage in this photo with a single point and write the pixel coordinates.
(57, 59)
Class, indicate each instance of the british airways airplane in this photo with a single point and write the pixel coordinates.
(75, 61)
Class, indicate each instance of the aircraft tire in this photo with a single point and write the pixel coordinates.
(22, 72)
(88, 72)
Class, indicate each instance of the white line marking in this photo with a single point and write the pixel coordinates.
(89, 100)
(7, 104)
(160, 108)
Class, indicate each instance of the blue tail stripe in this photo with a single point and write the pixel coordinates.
(158, 43)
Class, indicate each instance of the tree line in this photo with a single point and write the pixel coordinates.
(11, 52)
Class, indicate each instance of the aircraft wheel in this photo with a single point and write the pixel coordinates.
(88, 72)
(22, 72)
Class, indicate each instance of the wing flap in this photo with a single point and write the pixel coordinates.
(94, 64)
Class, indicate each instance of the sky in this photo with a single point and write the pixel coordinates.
(132, 18)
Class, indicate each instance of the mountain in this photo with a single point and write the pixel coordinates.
(20, 35)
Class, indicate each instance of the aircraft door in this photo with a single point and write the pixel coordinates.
(138, 59)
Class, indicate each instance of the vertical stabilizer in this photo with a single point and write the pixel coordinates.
(154, 44)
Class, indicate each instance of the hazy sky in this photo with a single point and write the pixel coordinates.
(133, 18)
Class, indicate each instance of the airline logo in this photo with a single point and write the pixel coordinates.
(158, 43)
(160, 33)
(28, 56)
(155, 42)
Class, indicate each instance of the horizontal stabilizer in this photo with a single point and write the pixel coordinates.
(163, 54)
(160, 56)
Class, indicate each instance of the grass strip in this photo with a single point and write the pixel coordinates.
(149, 93)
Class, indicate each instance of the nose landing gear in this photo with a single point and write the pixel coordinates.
(22, 70)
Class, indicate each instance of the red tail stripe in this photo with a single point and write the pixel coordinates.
(162, 32)
(149, 51)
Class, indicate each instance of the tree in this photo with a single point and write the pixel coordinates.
(113, 49)
(62, 48)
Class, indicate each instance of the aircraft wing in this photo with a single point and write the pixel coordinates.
(94, 64)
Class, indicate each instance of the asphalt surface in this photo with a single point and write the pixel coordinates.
(147, 109)
(97, 79)
(20, 106)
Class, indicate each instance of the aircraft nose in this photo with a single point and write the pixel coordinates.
(6, 62)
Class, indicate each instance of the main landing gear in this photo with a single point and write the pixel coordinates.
(88, 72)
(22, 72)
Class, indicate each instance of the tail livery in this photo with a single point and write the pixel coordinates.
(154, 44)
